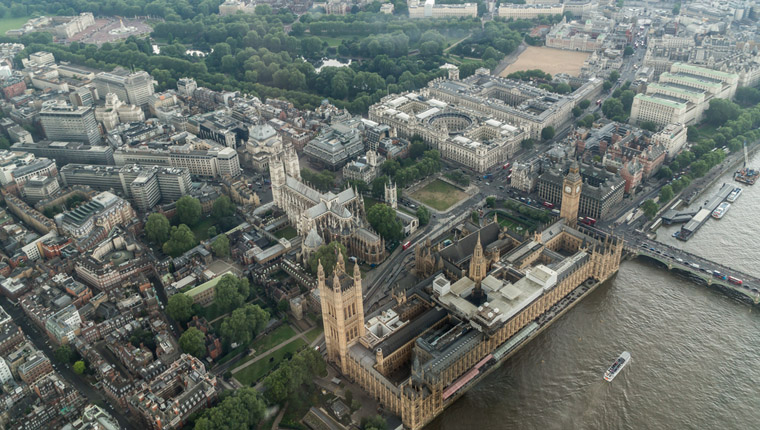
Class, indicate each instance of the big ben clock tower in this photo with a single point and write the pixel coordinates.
(571, 195)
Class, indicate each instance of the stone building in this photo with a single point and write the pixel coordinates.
(601, 189)
(422, 353)
(334, 216)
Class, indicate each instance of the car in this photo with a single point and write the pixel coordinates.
(679, 259)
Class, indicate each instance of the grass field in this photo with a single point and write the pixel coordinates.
(313, 333)
(287, 233)
(12, 23)
(279, 335)
(550, 60)
(439, 195)
(251, 374)
(512, 223)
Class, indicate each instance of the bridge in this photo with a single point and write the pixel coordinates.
(696, 267)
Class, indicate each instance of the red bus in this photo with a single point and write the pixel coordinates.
(406, 245)
(549, 205)
(587, 220)
(735, 281)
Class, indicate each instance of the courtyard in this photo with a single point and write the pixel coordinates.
(439, 195)
(550, 60)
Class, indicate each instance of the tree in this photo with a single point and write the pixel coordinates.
(188, 210)
(221, 246)
(181, 240)
(547, 133)
(577, 111)
(628, 51)
(64, 354)
(527, 144)
(193, 342)
(211, 232)
(423, 214)
(612, 108)
(563, 88)
(475, 217)
(230, 292)
(79, 367)
(664, 172)
(157, 228)
(328, 255)
(650, 208)
(720, 111)
(584, 104)
(375, 422)
(606, 85)
(614, 75)
(648, 125)
(747, 96)
(180, 307)
(699, 168)
(666, 194)
(417, 149)
(223, 207)
(383, 219)
(241, 410)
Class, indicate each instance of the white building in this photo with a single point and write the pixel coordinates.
(431, 10)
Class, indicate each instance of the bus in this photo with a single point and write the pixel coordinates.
(735, 281)
(587, 220)
(406, 245)
(548, 205)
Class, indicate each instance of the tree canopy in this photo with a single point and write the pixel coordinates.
(188, 210)
(383, 219)
(244, 324)
(287, 380)
(242, 410)
(193, 342)
(223, 207)
(328, 255)
(181, 240)
(230, 292)
(180, 307)
(721, 111)
(423, 214)
(221, 246)
(157, 228)
(650, 208)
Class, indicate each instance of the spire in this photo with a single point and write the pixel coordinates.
(320, 272)
(340, 263)
(357, 272)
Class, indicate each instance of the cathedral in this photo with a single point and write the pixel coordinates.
(469, 313)
(329, 216)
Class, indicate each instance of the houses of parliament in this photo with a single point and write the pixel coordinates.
(479, 305)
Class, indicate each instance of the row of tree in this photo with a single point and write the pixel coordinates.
(291, 377)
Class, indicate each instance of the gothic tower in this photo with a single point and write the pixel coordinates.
(342, 311)
(478, 264)
(571, 195)
(391, 197)
(277, 176)
(292, 166)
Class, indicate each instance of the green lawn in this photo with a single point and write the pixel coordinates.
(12, 23)
(253, 373)
(279, 335)
(201, 229)
(313, 333)
(288, 233)
(439, 195)
(511, 222)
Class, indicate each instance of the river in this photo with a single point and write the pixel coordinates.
(695, 363)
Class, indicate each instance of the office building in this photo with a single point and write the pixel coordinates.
(67, 152)
(61, 121)
(132, 88)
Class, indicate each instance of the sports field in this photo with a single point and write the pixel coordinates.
(550, 60)
(439, 195)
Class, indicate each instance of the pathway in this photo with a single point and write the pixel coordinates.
(276, 423)
(270, 351)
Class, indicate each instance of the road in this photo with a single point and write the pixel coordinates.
(40, 342)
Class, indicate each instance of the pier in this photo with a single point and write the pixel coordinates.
(703, 214)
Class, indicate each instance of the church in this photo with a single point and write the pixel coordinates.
(419, 354)
(323, 218)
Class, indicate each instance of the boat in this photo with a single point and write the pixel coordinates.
(747, 176)
(721, 210)
(734, 195)
(617, 366)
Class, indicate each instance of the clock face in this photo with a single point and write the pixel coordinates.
(578, 189)
(568, 189)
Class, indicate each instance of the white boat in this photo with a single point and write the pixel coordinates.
(617, 366)
(734, 195)
(721, 210)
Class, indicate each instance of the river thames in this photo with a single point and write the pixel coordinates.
(695, 362)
